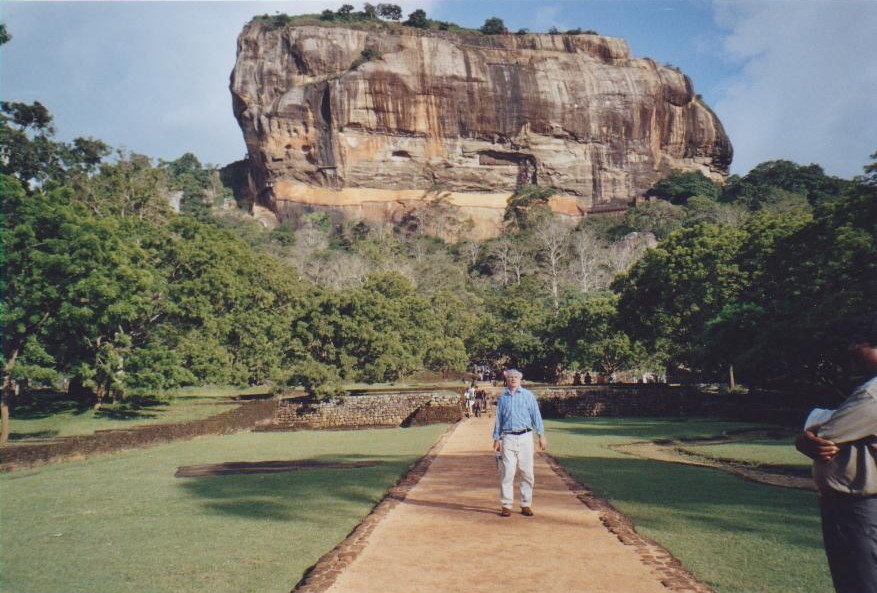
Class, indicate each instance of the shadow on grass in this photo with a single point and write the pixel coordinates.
(45, 404)
(126, 413)
(41, 434)
(647, 428)
(704, 499)
(313, 495)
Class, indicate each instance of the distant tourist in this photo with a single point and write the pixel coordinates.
(843, 446)
(577, 379)
(588, 379)
(517, 416)
(470, 399)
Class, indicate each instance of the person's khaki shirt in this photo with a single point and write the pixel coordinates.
(853, 427)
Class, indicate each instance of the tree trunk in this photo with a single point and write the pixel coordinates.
(8, 392)
(731, 376)
(4, 410)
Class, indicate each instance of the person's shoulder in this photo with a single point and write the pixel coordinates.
(870, 387)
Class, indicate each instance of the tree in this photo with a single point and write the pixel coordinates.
(129, 187)
(585, 334)
(370, 10)
(417, 19)
(667, 298)
(29, 153)
(5, 37)
(527, 207)
(493, 26)
(678, 187)
(588, 262)
(552, 237)
(345, 10)
(760, 185)
(392, 12)
(659, 217)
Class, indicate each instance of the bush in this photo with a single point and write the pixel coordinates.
(493, 26)
(417, 19)
(367, 55)
(392, 12)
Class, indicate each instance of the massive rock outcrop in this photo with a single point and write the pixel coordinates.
(374, 121)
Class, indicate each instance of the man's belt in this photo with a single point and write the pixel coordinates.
(519, 432)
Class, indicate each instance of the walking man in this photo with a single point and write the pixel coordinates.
(844, 453)
(517, 416)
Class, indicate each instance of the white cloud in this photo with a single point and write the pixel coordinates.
(807, 84)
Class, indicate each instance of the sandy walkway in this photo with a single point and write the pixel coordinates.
(447, 536)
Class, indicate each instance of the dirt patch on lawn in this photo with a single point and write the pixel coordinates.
(263, 467)
(673, 451)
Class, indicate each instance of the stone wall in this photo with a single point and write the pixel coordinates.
(619, 400)
(665, 400)
(242, 417)
(363, 411)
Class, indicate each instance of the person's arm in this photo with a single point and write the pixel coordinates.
(497, 443)
(536, 417)
(854, 419)
(814, 447)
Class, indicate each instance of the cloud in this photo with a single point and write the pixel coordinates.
(151, 77)
(806, 84)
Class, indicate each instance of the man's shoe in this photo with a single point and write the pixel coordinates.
(505, 512)
(527, 511)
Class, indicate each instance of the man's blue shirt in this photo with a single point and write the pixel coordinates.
(517, 412)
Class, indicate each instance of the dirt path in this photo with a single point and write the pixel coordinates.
(446, 536)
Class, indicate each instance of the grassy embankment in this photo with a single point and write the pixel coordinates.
(738, 536)
(125, 524)
(55, 415)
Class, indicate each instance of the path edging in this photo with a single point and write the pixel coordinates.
(669, 569)
(323, 574)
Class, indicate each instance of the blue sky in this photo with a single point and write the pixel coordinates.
(790, 79)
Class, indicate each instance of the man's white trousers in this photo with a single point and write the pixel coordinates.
(517, 454)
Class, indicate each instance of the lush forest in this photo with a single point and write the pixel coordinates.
(124, 277)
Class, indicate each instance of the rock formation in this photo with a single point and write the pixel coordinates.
(373, 121)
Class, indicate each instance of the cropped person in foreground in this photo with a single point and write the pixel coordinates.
(844, 453)
(517, 416)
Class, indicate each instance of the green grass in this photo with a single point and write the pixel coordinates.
(125, 524)
(738, 536)
(756, 452)
(51, 415)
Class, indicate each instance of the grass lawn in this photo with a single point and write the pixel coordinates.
(738, 536)
(757, 452)
(54, 415)
(125, 524)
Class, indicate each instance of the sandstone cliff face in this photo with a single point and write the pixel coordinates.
(468, 117)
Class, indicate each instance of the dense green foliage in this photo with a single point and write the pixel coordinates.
(493, 26)
(768, 293)
(110, 288)
(388, 16)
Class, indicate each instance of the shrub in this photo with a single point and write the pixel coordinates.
(417, 19)
(493, 26)
(367, 55)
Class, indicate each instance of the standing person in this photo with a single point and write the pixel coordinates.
(844, 453)
(470, 400)
(517, 416)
